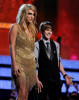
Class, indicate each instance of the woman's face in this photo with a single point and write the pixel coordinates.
(30, 16)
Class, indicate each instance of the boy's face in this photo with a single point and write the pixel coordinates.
(47, 34)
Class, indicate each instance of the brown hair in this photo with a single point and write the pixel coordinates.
(45, 25)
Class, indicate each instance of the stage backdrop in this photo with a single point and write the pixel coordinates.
(64, 15)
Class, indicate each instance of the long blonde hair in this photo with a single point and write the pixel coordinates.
(21, 17)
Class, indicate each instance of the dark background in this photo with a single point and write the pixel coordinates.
(64, 14)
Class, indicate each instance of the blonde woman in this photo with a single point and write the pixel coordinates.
(22, 38)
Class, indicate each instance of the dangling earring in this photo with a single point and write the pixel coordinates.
(24, 24)
(25, 27)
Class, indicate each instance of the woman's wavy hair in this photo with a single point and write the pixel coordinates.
(21, 17)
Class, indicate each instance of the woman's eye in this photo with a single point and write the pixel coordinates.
(29, 13)
(33, 14)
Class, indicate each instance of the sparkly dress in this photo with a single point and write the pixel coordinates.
(24, 57)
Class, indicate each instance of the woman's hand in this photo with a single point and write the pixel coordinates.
(15, 70)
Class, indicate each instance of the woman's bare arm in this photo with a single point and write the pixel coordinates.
(12, 40)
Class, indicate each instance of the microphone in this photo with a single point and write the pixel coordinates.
(59, 39)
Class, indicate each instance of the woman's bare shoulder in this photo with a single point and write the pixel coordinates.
(14, 28)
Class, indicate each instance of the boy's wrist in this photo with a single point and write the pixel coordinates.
(64, 76)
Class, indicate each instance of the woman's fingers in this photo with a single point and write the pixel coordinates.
(16, 73)
(18, 70)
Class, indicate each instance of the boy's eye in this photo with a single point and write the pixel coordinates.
(49, 29)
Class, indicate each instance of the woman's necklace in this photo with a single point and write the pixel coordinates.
(26, 30)
(28, 33)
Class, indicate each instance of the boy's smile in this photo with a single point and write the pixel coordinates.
(47, 34)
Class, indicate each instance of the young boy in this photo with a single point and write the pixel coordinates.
(47, 58)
